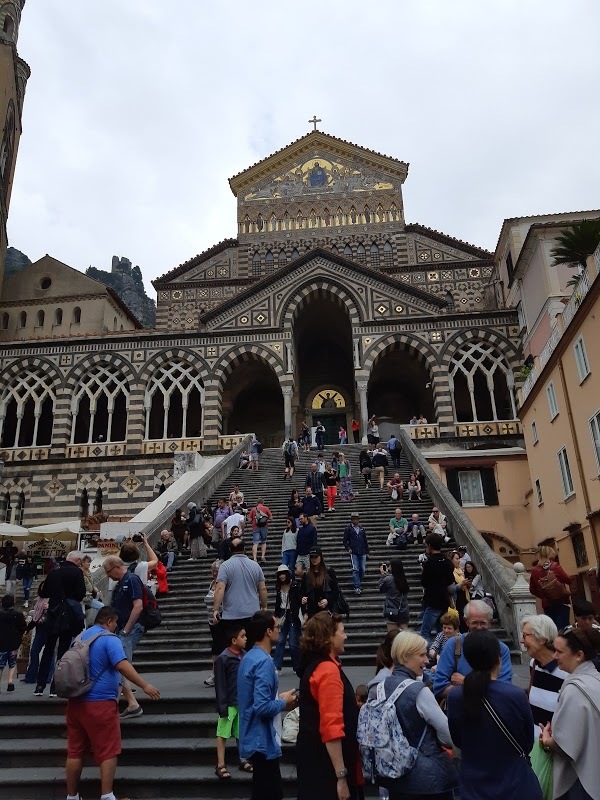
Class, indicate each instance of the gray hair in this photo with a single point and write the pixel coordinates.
(75, 555)
(478, 605)
(216, 564)
(113, 561)
(543, 628)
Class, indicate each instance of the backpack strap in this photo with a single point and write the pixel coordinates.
(395, 694)
(488, 707)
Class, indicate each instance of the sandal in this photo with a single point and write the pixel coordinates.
(222, 772)
(246, 766)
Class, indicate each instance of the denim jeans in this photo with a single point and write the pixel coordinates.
(431, 617)
(39, 640)
(359, 565)
(293, 631)
(27, 587)
(170, 559)
(288, 557)
(559, 614)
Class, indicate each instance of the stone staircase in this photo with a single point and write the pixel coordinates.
(169, 752)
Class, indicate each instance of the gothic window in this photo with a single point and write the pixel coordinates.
(84, 504)
(256, 265)
(22, 319)
(6, 507)
(5, 321)
(348, 251)
(98, 501)
(76, 315)
(269, 262)
(339, 217)
(367, 215)
(361, 255)
(334, 250)
(295, 254)
(388, 255)
(174, 402)
(326, 217)
(20, 509)
(27, 410)
(450, 301)
(58, 316)
(481, 384)
(99, 406)
(353, 216)
(259, 223)
(9, 26)
(282, 258)
(374, 255)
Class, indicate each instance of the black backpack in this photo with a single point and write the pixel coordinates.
(150, 616)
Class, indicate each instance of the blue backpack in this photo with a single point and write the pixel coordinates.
(384, 749)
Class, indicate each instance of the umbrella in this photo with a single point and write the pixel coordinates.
(13, 531)
(64, 531)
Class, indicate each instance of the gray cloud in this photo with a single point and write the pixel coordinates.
(137, 113)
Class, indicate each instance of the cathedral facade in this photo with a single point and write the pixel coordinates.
(326, 306)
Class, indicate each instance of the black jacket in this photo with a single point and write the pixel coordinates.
(12, 628)
(294, 602)
(64, 583)
(380, 459)
(329, 591)
(226, 670)
(437, 575)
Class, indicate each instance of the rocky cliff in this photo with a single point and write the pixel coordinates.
(127, 282)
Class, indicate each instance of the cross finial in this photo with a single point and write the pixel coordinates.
(314, 121)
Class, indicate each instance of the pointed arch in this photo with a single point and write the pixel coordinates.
(388, 255)
(27, 408)
(256, 263)
(282, 258)
(174, 401)
(269, 262)
(361, 253)
(348, 251)
(295, 254)
(374, 255)
(100, 405)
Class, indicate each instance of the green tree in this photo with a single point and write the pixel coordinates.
(577, 242)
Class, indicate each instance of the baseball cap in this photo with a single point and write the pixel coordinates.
(315, 551)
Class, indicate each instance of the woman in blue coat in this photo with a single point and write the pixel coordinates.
(491, 722)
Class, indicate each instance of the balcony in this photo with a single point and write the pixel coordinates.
(580, 290)
(492, 428)
(21, 454)
(550, 346)
(95, 450)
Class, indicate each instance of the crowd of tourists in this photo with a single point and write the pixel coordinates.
(439, 719)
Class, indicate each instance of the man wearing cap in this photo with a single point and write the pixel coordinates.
(355, 542)
(305, 540)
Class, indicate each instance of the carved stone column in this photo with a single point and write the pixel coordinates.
(364, 415)
(287, 392)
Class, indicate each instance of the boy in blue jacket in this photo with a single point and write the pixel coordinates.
(226, 670)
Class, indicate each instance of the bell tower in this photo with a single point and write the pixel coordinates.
(14, 73)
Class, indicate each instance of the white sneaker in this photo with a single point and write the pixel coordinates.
(26, 604)
(210, 681)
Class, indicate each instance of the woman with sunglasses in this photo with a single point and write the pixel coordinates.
(573, 735)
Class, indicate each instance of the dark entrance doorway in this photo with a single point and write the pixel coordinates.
(252, 401)
(323, 347)
(331, 423)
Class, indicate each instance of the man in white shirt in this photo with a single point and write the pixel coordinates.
(237, 518)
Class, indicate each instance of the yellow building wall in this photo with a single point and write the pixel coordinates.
(556, 512)
(510, 518)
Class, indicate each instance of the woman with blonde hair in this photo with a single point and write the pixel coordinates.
(462, 586)
(423, 722)
(551, 584)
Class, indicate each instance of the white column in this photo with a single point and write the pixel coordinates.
(287, 408)
(289, 357)
(364, 416)
(356, 354)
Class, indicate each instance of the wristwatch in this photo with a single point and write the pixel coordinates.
(343, 773)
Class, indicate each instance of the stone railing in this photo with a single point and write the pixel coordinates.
(580, 290)
(20, 454)
(95, 450)
(493, 428)
(202, 489)
(550, 346)
(151, 446)
(510, 592)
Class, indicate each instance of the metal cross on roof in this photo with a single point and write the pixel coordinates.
(314, 121)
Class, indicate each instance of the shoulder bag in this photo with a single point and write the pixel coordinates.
(506, 732)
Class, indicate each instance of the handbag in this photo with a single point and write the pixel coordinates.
(541, 764)
(488, 707)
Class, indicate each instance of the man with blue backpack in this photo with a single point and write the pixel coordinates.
(88, 675)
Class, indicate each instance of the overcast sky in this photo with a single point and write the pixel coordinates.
(138, 111)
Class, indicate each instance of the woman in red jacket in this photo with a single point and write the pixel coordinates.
(551, 584)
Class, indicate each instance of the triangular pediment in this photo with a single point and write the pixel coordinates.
(319, 164)
(369, 294)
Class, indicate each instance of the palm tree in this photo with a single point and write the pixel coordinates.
(577, 243)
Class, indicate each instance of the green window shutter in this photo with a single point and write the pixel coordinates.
(453, 485)
(488, 483)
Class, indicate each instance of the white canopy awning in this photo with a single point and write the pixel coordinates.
(13, 531)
